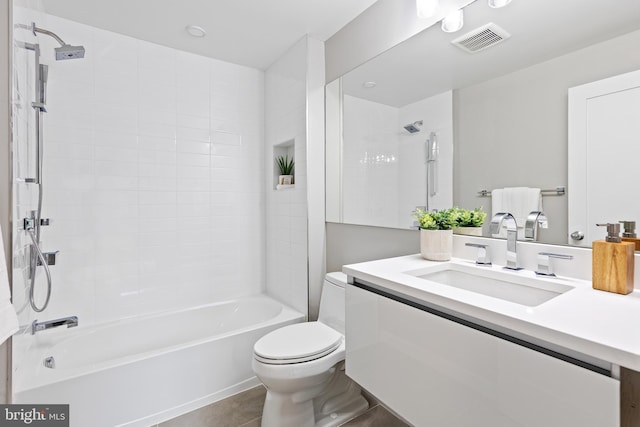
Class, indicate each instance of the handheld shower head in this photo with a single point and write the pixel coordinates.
(413, 127)
(69, 52)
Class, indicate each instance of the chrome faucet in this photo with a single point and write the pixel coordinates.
(535, 219)
(70, 321)
(512, 237)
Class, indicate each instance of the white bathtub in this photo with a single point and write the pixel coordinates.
(142, 371)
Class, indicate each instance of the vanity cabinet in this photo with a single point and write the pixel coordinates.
(435, 370)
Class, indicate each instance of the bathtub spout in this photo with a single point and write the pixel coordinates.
(41, 326)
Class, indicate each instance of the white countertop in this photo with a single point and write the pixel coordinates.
(599, 324)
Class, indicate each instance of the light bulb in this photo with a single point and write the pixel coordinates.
(498, 3)
(453, 21)
(426, 8)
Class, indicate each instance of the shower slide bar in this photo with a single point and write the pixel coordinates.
(33, 224)
(558, 191)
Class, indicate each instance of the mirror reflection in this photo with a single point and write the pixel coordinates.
(499, 115)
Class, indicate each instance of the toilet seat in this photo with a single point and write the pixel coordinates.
(297, 343)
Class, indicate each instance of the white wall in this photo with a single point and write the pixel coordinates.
(286, 210)
(153, 178)
(315, 171)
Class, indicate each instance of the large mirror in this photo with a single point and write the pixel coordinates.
(428, 124)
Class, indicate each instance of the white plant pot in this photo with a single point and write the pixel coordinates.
(285, 179)
(436, 245)
(469, 231)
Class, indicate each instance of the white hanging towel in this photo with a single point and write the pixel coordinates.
(8, 317)
(519, 202)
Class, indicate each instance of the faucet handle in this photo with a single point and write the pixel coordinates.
(544, 263)
(483, 257)
(535, 219)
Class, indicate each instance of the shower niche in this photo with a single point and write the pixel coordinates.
(284, 165)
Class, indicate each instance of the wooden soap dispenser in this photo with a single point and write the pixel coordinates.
(629, 233)
(612, 262)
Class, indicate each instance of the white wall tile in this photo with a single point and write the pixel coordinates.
(285, 120)
(147, 212)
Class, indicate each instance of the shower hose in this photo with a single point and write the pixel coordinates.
(40, 256)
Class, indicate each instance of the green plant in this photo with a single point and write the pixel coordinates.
(445, 219)
(285, 165)
(467, 218)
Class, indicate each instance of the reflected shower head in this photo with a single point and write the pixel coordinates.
(413, 127)
(69, 52)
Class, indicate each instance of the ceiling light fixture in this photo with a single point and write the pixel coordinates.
(498, 3)
(426, 8)
(196, 31)
(369, 85)
(453, 21)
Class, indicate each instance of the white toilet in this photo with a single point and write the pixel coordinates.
(302, 367)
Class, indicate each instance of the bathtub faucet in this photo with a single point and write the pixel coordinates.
(70, 321)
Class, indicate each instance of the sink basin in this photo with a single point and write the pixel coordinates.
(526, 291)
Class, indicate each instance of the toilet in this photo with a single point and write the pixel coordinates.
(302, 367)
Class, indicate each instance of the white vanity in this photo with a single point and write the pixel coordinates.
(455, 344)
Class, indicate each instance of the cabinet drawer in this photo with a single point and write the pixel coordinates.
(436, 372)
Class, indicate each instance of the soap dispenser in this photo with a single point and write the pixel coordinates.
(612, 262)
(629, 233)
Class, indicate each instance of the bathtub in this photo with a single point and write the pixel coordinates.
(148, 369)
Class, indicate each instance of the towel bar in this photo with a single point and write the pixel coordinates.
(558, 191)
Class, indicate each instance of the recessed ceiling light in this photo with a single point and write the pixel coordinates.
(196, 31)
(369, 85)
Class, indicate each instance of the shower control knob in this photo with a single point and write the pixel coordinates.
(577, 235)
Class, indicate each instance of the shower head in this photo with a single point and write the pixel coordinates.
(69, 52)
(65, 51)
(413, 127)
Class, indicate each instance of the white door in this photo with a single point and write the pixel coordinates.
(604, 155)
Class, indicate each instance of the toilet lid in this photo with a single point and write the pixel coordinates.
(297, 343)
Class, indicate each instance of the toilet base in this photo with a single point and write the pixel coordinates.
(337, 402)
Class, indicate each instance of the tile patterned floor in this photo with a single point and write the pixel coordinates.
(376, 416)
(245, 410)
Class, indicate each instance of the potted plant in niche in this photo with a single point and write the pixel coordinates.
(436, 233)
(285, 165)
(469, 222)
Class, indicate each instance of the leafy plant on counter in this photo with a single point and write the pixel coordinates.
(467, 218)
(448, 219)
(285, 165)
(445, 219)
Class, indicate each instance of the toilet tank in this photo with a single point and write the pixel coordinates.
(332, 301)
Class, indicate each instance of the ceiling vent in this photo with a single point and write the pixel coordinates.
(481, 38)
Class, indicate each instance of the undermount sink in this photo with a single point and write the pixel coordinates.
(510, 287)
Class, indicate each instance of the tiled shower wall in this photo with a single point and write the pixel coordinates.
(286, 121)
(384, 165)
(154, 166)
